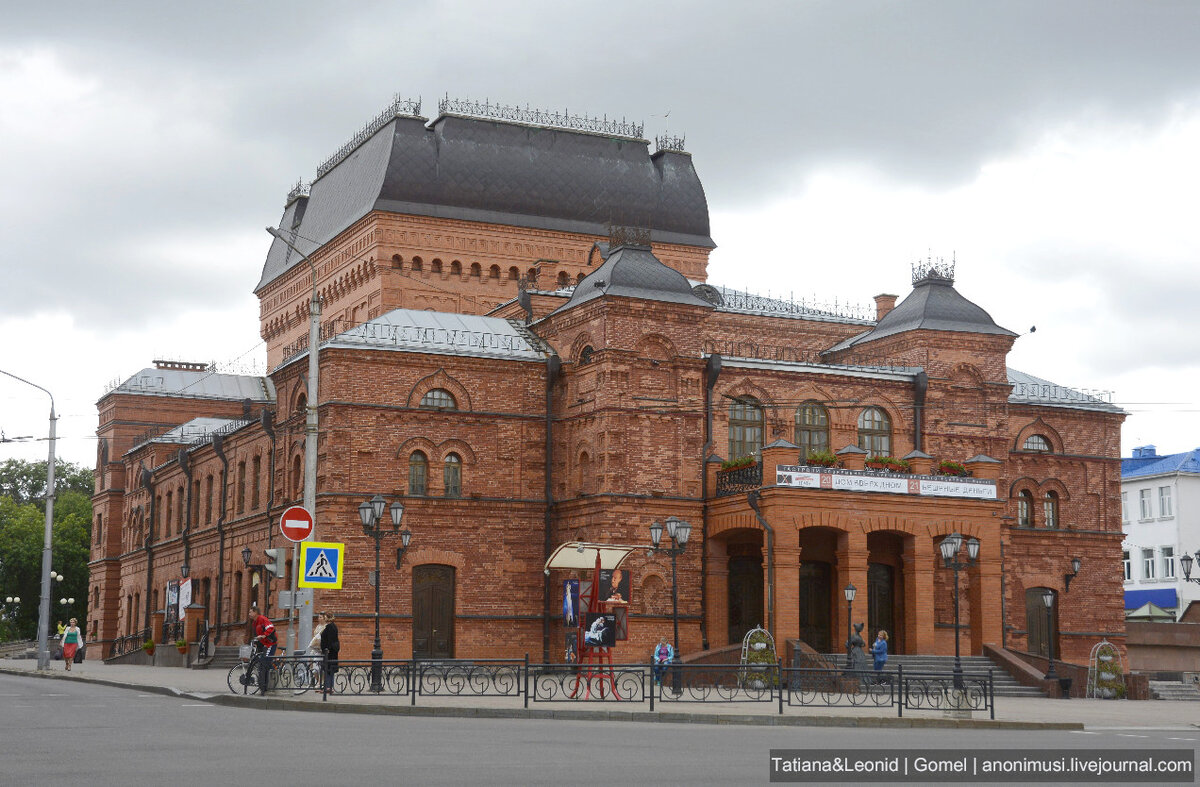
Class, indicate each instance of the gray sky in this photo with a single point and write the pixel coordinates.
(1049, 146)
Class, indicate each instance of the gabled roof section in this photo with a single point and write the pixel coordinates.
(1028, 389)
(1137, 466)
(632, 271)
(933, 305)
(198, 385)
(444, 333)
(499, 171)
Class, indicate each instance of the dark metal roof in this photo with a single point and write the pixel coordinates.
(501, 172)
(634, 272)
(933, 305)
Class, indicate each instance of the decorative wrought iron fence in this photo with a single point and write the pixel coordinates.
(635, 683)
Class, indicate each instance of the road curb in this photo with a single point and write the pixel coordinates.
(559, 714)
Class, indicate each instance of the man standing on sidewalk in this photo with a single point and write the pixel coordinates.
(264, 634)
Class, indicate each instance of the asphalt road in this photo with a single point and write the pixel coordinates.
(59, 732)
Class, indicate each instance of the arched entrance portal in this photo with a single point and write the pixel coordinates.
(816, 597)
(885, 588)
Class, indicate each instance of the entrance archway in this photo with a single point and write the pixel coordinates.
(816, 598)
(745, 596)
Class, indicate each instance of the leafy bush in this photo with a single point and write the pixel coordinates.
(739, 463)
(821, 459)
(947, 467)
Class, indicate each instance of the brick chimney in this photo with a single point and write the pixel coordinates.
(883, 305)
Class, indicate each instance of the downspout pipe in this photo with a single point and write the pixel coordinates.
(553, 369)
(186, 466)
(219, 449)
(148, 484)
(753, 499)
(712, 370)
(920, 386)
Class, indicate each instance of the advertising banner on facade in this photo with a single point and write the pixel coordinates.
(805, 477)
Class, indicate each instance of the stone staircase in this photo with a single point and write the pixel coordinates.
(223, 658)
(1174, 690)
(1005, 684)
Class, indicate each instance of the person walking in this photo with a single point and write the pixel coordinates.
(72, 639)
(879, 650)
(330, 645)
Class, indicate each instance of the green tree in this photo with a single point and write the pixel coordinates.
(22, 523)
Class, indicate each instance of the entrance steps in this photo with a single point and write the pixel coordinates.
(1174, 690)
(224, 657)
(1005, 685)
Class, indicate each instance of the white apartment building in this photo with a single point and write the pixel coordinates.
(1160, 514)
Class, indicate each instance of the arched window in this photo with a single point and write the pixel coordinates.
(397, 262)
(455, 268)
(1025, 508)
(563, 279)
(180, 523)
(812, 429)
(418, 473)
(297, 477)
(745, 427)
(439, 399)
(494, 272)
(585, 355)
(585, 472)
(1036, 442)
(435, 266)
(514, 273)
(417, 264)
(477, 271)
(255, 482)
(241, 486)
(452, 476)
(579, 278)
(168, 513)
(302, 404)
(875, 432)
(1050, 510)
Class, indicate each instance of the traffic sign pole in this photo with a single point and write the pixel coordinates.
(296, 524)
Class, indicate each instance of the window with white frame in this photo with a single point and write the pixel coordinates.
(1147, 564)
(1144, 511)
(1124, 506)
(1164, 501)
(1128, 565)
(1168, 562)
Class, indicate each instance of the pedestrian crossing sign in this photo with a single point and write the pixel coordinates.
(322, 564)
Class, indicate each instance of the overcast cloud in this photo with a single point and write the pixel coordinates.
(1050, 146)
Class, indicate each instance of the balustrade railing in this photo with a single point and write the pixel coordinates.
(739, 481)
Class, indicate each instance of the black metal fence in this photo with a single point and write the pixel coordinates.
(638, 683)
(128, 643)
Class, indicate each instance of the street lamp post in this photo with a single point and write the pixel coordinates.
(370, 512)
(1048, 600)
(43, 628)
(678, 530)
(950, 547)
(15, 603)
(850, 592)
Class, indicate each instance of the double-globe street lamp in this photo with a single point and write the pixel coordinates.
(370, 512)
(14, 602)
(678, 530)
(950, 547)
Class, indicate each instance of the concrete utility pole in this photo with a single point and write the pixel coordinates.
(43, 647)
(310, 444)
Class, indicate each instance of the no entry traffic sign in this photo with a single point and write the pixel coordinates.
(296, 524)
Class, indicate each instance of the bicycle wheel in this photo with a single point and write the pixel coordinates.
(242, 679)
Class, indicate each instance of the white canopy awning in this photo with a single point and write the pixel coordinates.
(579, 555)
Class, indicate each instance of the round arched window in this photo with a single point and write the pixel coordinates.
(439, 399)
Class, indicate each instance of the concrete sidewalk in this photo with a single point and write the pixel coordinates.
(1011, 712)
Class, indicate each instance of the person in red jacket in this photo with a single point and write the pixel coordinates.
(264, 635)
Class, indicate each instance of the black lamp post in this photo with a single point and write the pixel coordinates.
(1185, 563)
(678, 530)
(371, 512)
(1048, 600)
(850, 591)
(950, 547)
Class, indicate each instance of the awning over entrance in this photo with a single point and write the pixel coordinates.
(579, 555)
(1160, 597)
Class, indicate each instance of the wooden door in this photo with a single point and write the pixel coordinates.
(433, 612)
(745, 596)
(881, 602)
(815, 609)
(1038, 629)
